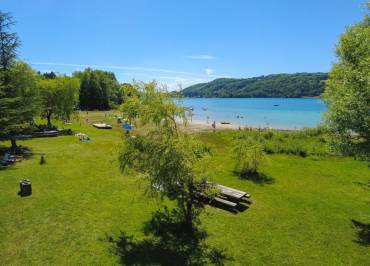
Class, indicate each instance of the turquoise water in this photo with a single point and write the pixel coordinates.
(289, 113)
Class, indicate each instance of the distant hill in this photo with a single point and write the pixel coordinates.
(276, 85)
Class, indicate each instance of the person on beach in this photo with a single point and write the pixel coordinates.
(214, 125)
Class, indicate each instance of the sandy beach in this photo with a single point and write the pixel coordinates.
(197, 125)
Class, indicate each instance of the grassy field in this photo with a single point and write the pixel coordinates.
(309, 211)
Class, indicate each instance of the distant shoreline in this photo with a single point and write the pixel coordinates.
(303, 97)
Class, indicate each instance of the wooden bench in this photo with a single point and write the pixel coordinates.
(225, 202)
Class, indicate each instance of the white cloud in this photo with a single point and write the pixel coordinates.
(144, 69)
(209, 71)
(201, 57)
(172, 78)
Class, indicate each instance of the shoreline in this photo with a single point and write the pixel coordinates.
(199, 125)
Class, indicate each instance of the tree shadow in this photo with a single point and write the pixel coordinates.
(255, 177)
(167, 241)
(363, 185)
(20, 153)
(240, 207)
(363, 232)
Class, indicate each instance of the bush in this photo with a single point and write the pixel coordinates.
(305, 142)
(249, 156)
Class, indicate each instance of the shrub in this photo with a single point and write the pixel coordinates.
(249, 156)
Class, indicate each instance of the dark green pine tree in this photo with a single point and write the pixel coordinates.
(18, 103)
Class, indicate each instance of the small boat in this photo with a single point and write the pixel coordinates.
(189, 108)
(276, 105)
(225, 123)
(204, 108)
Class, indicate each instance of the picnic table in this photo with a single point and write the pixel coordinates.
(231, 192)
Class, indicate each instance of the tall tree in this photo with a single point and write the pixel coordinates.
(347, 92)
(9, 42)
(19, 102)
(59, 97)
(17, 85)
(171, 161)
(99, 89)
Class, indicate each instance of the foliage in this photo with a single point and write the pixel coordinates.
(249, 155)
(18, 93)
(18, 102)
(99, 90)
(153, 105)
(128, 90)
(9, 42)
(49, 75)
(59, 97)
(172, 161)
(278, 85)
(347, 93)
(303, 143)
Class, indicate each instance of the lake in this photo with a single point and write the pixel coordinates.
(287, 113)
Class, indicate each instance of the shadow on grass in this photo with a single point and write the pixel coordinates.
(168, 241)
(258, 178)
(363, 184)
(240, 207)
(21, 153)
(363, 232)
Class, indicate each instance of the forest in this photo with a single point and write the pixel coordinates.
(275, 86)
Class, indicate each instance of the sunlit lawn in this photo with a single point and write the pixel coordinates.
(302, 216)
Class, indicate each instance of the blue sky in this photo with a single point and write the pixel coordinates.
(182, 41)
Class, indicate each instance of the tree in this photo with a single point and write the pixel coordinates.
(9, 42)
(59, 97)
(172, 161)
(249, 156)
(99, 90)
(18, 93)
(49, 75)
(18, 102)
(347, 93)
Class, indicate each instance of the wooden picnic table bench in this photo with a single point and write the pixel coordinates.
(232, 193)
(225, 202)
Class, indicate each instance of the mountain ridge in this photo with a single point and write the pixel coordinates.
(295, 85)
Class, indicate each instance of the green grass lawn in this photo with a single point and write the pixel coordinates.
(301, 216)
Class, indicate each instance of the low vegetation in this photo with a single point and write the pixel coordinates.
(84, 211)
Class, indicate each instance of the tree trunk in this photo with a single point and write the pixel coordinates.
(189, 214)
(48, 117)
(14, 143)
